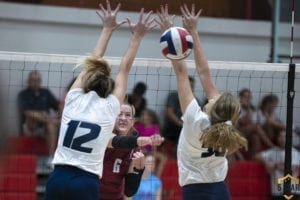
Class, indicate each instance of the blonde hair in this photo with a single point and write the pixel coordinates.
(131, 107)
(132, 130)
(97, 76)
(221, 135)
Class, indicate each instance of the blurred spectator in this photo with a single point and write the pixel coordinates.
(267, 118)
(147, 126)
(273, 160)
(172, 121)
(296, 137)
(247, 125)
(136, 98)
(151, 186)
(35, 104)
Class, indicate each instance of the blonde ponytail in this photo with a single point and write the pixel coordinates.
(222, 135)
(97, 76)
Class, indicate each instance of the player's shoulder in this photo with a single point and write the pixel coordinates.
(113, 98)
(194, 109)
(74, 93)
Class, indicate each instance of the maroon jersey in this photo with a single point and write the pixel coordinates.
(116, 166)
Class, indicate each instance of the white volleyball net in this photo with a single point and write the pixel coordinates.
(58, 70)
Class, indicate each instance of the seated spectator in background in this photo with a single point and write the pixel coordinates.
(296, 137)
(267, 118)
(151, 186)
(35, 104)
(136, 98)
(172, 121)
(273, 160)
(247, 125)
(147, 126)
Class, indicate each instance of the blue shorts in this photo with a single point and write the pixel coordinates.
(207, 191)
(71, 183)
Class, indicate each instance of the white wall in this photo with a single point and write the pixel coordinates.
(33, 28)
(43, 29)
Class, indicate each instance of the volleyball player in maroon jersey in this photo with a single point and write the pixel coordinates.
(123, 168)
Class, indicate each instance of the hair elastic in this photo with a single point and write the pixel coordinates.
(228, 122)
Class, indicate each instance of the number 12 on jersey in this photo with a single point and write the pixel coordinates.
(75, 142)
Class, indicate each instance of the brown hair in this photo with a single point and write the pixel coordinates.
(221, 135)
(153, 116)
(268, 99)
(98, 76)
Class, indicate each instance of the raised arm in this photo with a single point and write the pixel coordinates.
(134, 175)
(109, 24)
(138, 30)
(189, 21)
(185, 92)
(164, 20)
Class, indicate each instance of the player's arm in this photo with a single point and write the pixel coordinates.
(132, 141)
(190, 20)
(134, 175)
(139, 30)
(185, 93)
(109, 24)
(164, 20)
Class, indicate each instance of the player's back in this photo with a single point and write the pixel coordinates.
(196, 163)
(86, 126)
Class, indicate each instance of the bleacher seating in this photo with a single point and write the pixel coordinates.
(28, 145)
(18, 178)
(248, 180)
(169, 177)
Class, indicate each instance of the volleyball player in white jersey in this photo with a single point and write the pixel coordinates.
(89, 114)
(207, 136)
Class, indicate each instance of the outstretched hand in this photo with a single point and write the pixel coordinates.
(138, 160)
(108, 16)
(164, 20)
(153, 140)
(143, 25)
(156, 140)
(189, 17)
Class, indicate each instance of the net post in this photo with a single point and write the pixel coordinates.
(289, 127)
(290, 107)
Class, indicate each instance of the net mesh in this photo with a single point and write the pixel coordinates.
(58, 70)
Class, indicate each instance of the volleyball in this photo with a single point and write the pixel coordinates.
(176, 43)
